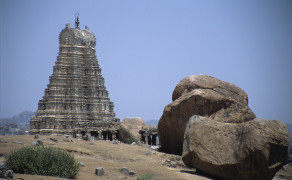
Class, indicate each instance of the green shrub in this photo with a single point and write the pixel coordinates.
(147, 176)
(41, 160)
(131, 140)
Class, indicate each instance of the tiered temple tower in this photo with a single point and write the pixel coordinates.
(76, 100)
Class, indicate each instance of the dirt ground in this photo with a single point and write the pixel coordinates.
(111, 156)
(285, 173)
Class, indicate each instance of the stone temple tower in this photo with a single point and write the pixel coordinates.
(76, 101)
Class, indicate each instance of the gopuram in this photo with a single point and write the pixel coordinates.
(76, 101)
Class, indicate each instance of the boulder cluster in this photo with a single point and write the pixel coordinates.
(210, 124)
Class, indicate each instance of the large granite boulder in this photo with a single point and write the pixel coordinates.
(205, 96)
(130, 128)
(192, 82)
(255, 149)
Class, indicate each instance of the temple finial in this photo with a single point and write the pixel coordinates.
(77, 20)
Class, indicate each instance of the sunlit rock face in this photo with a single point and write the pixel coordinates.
(204, 96)
(255, 149)
(76, 98)
(210, 124)
(130, 128)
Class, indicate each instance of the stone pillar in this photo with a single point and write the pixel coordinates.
(88, 136)
(106, 136)
(114, 136)
(74, 134)
(99, 134)
(154, 139)
(146, 138)
(149, 140)
(142, 138)
(110, 136)
(102, 136)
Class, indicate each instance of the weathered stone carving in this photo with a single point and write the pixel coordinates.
(75, 100)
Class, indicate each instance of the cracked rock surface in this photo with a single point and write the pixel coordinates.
(204, 96)
(255, 149)
(210, 124)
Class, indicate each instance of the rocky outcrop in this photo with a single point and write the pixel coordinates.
(255, 149)
(205, 96)
(210, 121)
(130, 128)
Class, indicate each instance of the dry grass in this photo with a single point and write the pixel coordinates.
(112, 157)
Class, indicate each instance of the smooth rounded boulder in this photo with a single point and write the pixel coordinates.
(204, 96)
(130, 128)
(255, 149)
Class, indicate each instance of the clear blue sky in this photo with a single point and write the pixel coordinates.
(146, 47)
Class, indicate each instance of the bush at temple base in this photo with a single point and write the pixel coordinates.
(39, 160)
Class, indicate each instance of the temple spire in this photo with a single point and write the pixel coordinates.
(77, 20)
(76, 102)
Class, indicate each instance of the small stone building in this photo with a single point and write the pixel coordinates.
(149, 135)
(76, 100)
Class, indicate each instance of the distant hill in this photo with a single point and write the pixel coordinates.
(22, 119)
(152, 122)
